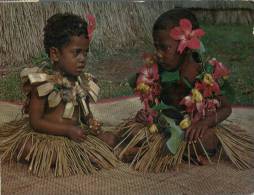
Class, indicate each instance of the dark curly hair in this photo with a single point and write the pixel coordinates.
(171, 18)
(61, 27)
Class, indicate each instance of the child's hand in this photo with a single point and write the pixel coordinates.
(141, 116)
(94, 125)
(77, 134)
(196, 131)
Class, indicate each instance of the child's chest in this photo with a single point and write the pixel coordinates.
(56, 114)
(173, 93)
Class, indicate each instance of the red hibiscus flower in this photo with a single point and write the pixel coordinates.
(187, 37)
(91, 25)
(220, 70)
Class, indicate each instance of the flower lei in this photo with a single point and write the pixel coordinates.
(203, 97)
(148, 87)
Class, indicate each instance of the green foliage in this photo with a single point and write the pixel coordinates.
(169, 76)
(176, 134)
(162, 106)
(10, 87)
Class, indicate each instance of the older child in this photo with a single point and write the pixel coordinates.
(183, 103)
(60, 131)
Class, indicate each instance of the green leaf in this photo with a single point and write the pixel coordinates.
(209, 68)
(220, 82)
(202, 49)
(187, 83)
(57, 87)
(170, 76)
(162, 106)
(200, 76)
(176, 137)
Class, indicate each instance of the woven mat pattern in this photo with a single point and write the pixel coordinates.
(211, 179)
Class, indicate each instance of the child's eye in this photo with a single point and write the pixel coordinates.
(80, 51)
(162, 47)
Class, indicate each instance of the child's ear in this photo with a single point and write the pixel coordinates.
(54, 54)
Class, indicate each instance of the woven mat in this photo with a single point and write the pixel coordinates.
(211, 179)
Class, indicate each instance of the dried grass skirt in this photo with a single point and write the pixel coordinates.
(153, 155)
(70, 157)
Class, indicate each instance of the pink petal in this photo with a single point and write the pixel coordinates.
(90, 18)
(186, 26)
(193, 43)
(144, 70)
(91, 25)
(198, 33)
(149, 119)
(177, 34)
(182, 45)
(187, 101)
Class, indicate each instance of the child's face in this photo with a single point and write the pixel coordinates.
(72, 57)
(166, 47)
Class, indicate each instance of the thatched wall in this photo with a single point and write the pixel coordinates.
(119, 24)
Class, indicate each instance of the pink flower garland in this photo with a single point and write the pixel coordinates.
(203, 96)
(148, 87)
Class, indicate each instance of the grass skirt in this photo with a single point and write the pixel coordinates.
(153, 155)
(70, 157)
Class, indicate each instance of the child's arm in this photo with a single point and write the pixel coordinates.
(37, 121)
(198, 129)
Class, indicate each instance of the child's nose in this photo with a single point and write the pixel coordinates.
(82, 58)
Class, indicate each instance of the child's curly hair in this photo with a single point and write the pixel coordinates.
(61, 27)
(171, 18)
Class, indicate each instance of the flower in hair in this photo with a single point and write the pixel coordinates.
(187, 37)
(91, 25)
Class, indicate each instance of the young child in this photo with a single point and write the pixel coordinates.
(183, 103)
(60, 131)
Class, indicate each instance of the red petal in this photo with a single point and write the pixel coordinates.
(177, 33)
(193, 43)
(216, 88)
(198, 33)
(186, 26)
(207, 92)
(155, 71)
(199, 86)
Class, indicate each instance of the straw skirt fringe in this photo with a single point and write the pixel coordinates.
(153, 155)
(70, 157)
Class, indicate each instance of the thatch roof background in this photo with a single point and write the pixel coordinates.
(120, 25)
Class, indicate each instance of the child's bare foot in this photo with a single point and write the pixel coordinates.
(130, 154)
(202, 160)
(109, 138)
